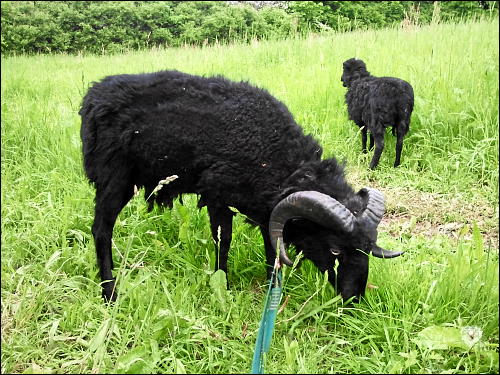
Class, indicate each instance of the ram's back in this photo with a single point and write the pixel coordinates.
(202, 129)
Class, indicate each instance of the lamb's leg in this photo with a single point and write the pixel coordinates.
(363, 139)
(109, 201)
(399, 146)
(371, 141)
(379, 147)
(221, 217)
(270, 253)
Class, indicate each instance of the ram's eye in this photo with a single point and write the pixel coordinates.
(335, 252)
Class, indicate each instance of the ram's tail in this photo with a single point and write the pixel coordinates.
(96, 133)
(88, 134)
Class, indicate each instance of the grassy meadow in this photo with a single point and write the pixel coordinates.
(432, 310)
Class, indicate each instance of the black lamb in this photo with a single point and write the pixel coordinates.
(376, 103)
(234, 145)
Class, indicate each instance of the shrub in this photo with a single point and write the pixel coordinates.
(112, 26)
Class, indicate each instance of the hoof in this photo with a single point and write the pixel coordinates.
(109, 291)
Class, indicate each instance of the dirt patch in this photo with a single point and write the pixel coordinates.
(10, 305)
(432, 214)
(414, 212)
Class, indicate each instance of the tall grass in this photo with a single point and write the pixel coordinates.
(169, 316)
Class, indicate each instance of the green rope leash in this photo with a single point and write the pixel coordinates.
(268, 319)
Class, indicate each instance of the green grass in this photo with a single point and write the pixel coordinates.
(442, 208)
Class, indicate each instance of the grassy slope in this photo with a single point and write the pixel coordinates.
(442, 209)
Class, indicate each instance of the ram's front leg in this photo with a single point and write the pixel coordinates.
(270, 253)
(221, 224)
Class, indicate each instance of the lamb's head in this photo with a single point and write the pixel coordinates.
(336, 239)
(353, 69)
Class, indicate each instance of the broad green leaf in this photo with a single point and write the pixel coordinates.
(218, 284)
(290, 351)
(411, 358)
(35, 369)
(98, 340)
(477, 243)
(439, 337)
(184, 232)
(183, 212)
(179, 367)
(53, 258)
(136, 361)
(395, 367)
(155, 351)
(53, 330)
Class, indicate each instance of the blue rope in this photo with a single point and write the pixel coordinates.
(267, 322)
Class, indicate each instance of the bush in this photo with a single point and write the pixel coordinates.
(349, 15)
(112, 26)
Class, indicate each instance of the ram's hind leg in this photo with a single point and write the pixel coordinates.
(109, 201)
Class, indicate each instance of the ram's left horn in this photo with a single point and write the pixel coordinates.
(311, 205)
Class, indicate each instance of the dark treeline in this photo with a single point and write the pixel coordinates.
(114, 26)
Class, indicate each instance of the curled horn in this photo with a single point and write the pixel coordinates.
(312, 205)
(371, 217)
(375, 208)
(383, 253)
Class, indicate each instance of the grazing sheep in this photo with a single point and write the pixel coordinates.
(375, 103)
(234, 145)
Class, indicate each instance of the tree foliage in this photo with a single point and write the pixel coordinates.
(113, 26)
(351, 15)
(96, 26)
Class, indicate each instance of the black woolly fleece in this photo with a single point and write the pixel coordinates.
(229, 142)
